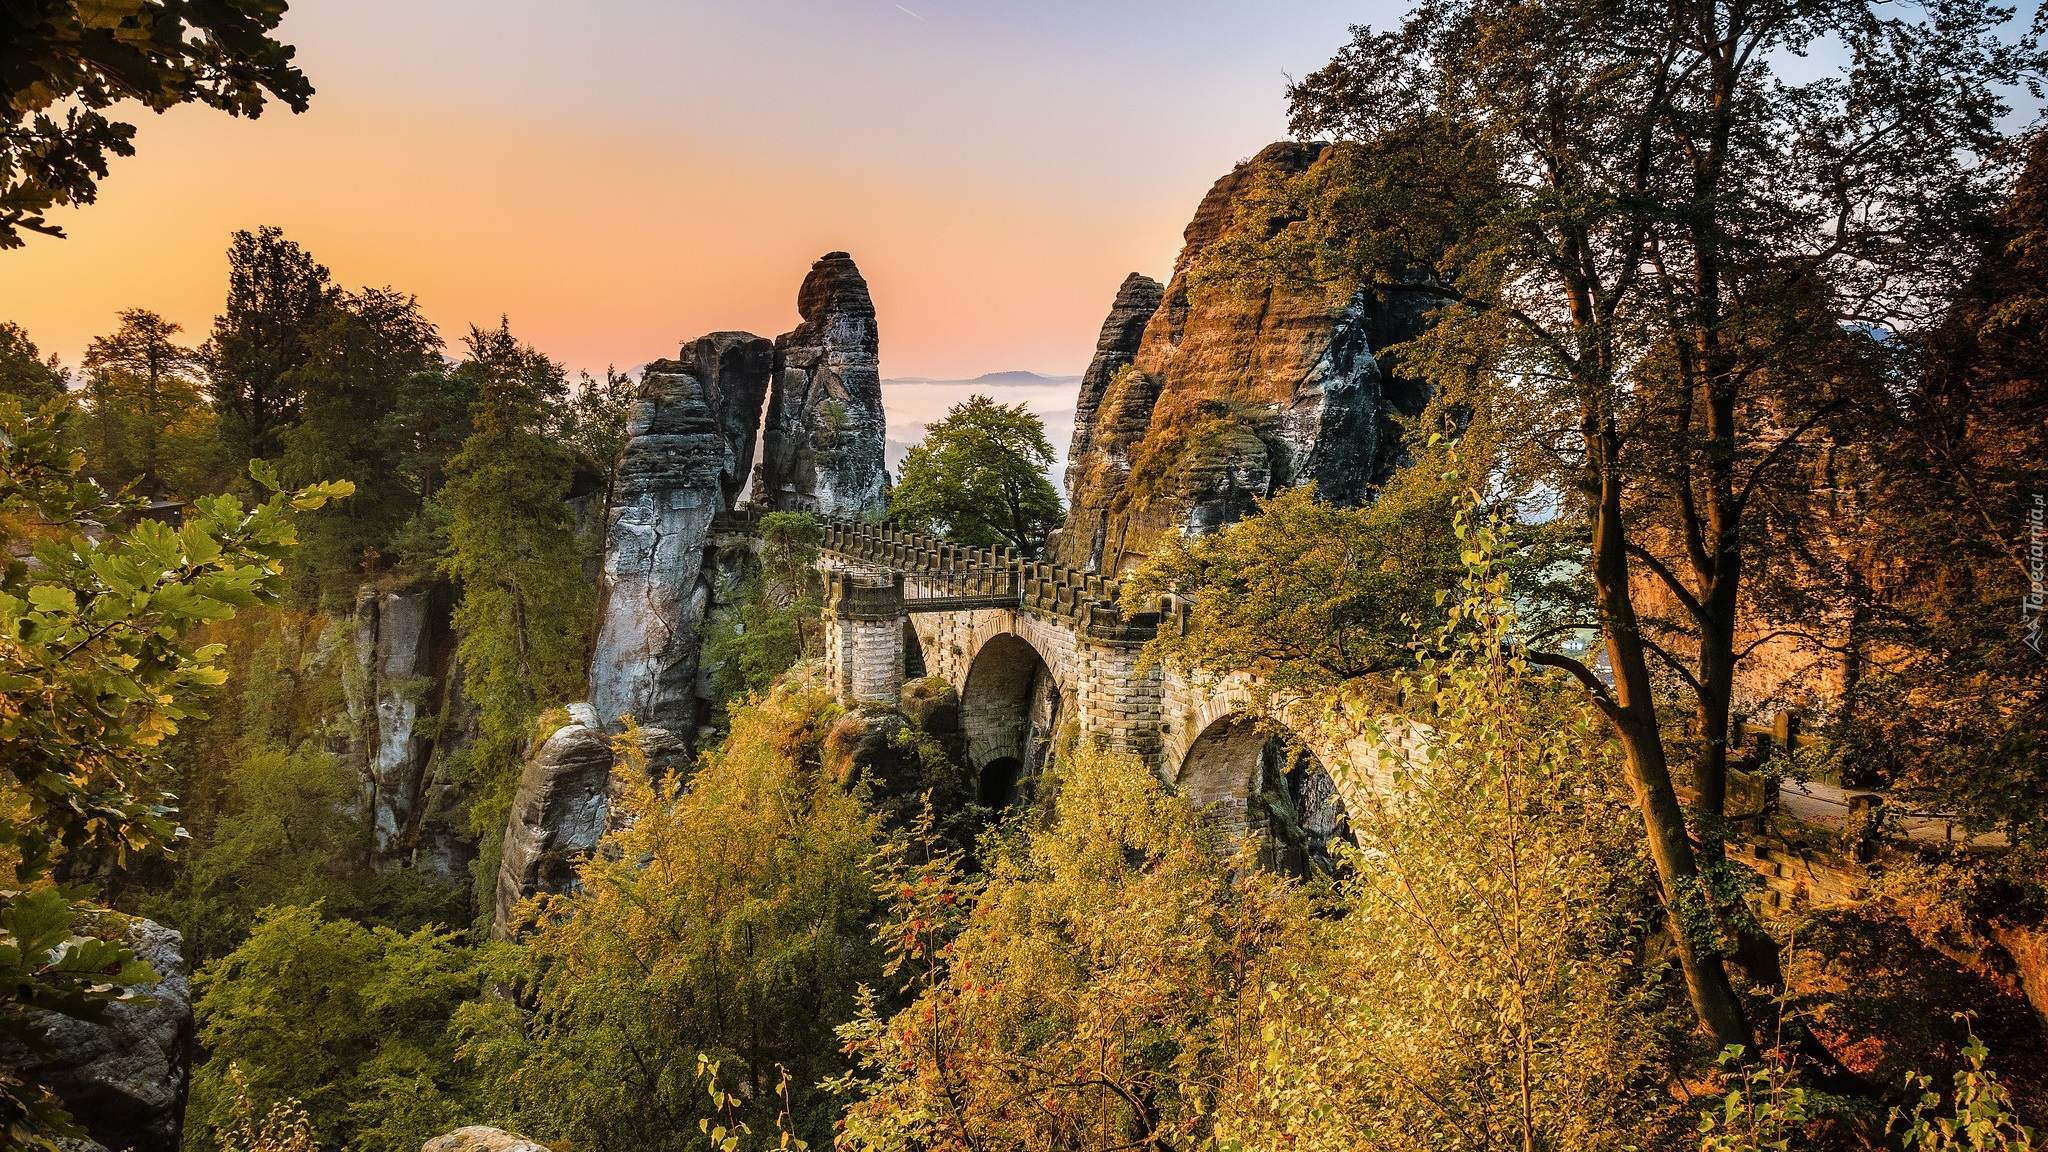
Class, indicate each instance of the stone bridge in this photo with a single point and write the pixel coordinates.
(1035, 649)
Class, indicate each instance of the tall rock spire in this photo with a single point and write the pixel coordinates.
(692, 444)
(822, 446)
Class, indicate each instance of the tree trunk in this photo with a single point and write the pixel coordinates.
(1649, 775)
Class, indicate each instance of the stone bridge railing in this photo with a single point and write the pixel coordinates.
(1083, 600)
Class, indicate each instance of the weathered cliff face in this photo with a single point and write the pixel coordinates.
(1136, 301)
(822, 446)
(558, 813)
(693, 443)
(406, 716)
(124, 1081)
(1225, 398)
(391, 638)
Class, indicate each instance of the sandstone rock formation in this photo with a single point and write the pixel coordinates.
(822, 446)
(124, 1082)
(477, 1138)
(558, 813)
(693, 435)
(1224, 399)
(1136, 301)
(391, 638)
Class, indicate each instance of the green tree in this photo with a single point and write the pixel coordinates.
(524, 615)
(62, 63)
(1487, 976)
(1096, 990)
(1309, 594)
(978, 478)
(1670, 262)
(728, 919)
(147, 413)
(351, 1022)
(98, 668)
(764, 636)
(279, 303)
(23, 373)
(1952, 702)
(593, 424)
(375, 348)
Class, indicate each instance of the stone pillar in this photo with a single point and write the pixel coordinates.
(864, 636)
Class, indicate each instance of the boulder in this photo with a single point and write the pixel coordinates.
(1225, 397)
(477, 1138)
(124, 1081)
(693, 432)
(822, 444)
(559, 813)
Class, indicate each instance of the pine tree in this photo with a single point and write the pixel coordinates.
(279, 301)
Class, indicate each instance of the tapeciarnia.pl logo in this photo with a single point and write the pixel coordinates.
(2037, 571)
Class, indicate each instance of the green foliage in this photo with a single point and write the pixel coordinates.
(728, 920)
(63, 62)
(279, 302)
(285, 1128)
(1089, 994)
(147, 422)
(1489, 980)
(593, 421)
(1766, 1108)
(351, 1021)
(765, 634)
(1981, 1115)
(524, 616)
(97, 671)
(978, 478)
(374, 351)
(1308, 594)
(23, 372)
(1954, 702)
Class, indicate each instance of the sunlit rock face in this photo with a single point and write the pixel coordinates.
(1115, 348)
(1229, 395)
(692, 445)
(822, 446)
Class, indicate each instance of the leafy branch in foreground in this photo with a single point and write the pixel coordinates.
(97, 670)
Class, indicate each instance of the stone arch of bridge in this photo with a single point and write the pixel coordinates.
(1266, 778)
(1010, 706)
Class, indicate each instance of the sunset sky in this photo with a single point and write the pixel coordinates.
(620, 175)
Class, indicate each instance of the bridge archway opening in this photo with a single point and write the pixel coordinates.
(1009, 709)
(997, 788)
(1271, 785)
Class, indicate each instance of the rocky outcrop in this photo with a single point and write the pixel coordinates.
(477, 1138)
(1135, 303)
(124, 1081)
(558, 814)
(405, 720)
(1226, 398)
(822, 446)
(692, 446)
(392, 637)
